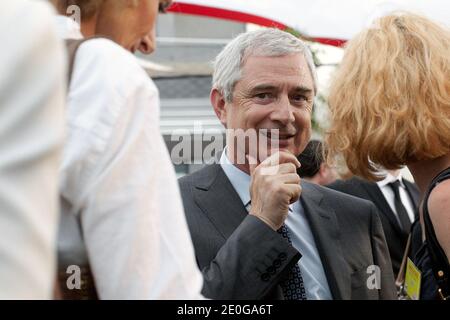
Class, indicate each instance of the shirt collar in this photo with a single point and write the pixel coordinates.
(67, 28)
(238, 178)
(390, 178)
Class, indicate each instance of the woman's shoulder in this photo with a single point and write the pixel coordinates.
(439, 210)
(439, 199)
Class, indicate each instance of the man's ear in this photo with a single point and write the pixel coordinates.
(218, 103)
(323, 170)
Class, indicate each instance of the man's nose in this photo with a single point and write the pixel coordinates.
(147, 44)
(284, 112)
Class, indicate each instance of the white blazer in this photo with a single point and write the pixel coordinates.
(118, 180)
(32, 95)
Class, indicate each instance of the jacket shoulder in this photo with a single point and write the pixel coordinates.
(411, 185)
(345, 203)
(201, 177)
(351, 183)
(329, 192)
(113, 64)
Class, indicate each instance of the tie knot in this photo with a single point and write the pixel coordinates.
(395, 184)
(400, 210)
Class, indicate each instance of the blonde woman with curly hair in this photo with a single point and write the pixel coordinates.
(390, 106)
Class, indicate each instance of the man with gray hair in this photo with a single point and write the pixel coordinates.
(258, 231)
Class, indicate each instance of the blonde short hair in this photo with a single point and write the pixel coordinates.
(390, 97)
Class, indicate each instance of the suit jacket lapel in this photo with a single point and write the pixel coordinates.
(414, 195)
(223, 206)
(324, 226)
(220, 202)
(380, 201)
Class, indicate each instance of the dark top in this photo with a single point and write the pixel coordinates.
(431, 258)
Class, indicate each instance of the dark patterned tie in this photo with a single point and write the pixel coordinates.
(405, 222)
(293, 286)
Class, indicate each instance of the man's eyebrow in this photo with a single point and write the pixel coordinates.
(270, 87)
(303, 89)
(263, 87)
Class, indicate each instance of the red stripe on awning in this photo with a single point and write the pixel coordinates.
(331, 42)
(187, 8)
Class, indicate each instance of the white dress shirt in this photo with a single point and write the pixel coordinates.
(118, 178)
(32, 97)
(310, 264)
(390, 197)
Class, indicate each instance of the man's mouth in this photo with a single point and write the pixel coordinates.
(277, 136)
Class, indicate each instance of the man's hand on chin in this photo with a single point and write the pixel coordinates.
(274, 185)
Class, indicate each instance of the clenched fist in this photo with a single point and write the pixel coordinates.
(274, 185)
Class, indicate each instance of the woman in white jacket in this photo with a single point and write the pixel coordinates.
(122, 221)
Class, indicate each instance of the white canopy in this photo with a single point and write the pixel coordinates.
(327, 21)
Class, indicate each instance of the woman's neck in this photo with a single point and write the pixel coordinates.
(424, 171)
(89, 27)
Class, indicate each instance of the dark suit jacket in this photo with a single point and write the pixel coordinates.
(243, 258)
(395, 237)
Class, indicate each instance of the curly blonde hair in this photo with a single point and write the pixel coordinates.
(390, 98)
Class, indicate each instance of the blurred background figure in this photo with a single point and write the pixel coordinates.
(313, 167)
(390, 106)
(32, 94)
(396, 198)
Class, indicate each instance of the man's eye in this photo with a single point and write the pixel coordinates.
(264, 96)
(299, 97)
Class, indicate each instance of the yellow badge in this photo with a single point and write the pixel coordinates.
(412, 280)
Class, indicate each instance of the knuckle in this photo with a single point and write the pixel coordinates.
(292, 167)
(277, 188)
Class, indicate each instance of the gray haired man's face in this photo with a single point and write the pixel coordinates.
(274, 93)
